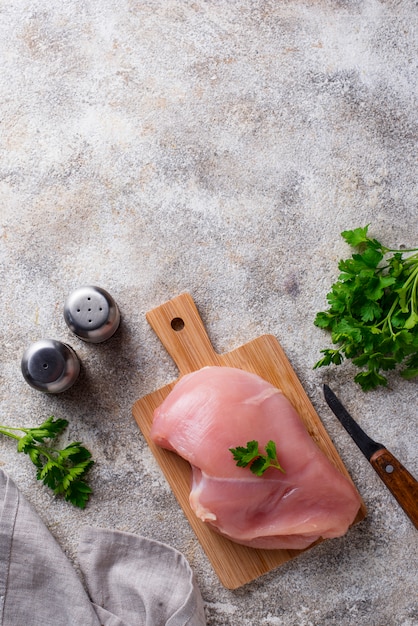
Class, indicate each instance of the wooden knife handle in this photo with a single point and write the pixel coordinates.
(399, 481)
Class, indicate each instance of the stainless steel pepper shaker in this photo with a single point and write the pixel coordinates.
(49, 365)
(92, 314)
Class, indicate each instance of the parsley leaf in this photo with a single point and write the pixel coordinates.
(62, 470)
(373, 311)
(355, 237)
(259, 463)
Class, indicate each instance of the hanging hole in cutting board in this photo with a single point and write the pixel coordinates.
(177, 324)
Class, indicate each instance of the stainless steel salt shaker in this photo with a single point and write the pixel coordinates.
(92, 314)
(49, 365)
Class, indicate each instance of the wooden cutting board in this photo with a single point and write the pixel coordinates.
(180, 328)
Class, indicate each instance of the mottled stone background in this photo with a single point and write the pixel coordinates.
(215, 147)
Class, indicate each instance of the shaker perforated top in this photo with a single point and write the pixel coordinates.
(92, 314)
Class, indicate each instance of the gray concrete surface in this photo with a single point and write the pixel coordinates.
(219, 148)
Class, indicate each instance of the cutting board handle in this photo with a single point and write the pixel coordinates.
(180, 329)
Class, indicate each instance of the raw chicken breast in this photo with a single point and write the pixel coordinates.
(217, 408)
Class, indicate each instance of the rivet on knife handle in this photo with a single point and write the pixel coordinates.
(399, 481)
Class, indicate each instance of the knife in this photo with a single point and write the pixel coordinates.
(396, 477)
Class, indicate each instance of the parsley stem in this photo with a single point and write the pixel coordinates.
(403, 250)
(4, 430)
(411, 277)
(414, 292)
(7, 428)
(387, 320)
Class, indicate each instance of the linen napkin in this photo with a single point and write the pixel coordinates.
(128, 580)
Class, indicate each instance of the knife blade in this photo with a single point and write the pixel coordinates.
(402, 485)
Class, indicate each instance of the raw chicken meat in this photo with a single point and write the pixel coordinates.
(217, 408)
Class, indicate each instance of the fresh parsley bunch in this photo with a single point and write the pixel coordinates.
(63, 470)
(373, 312)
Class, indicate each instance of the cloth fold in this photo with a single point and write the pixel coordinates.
(128, 580)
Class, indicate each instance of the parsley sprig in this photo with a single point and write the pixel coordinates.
(62, 470)
(257, 461)
(373, 312)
